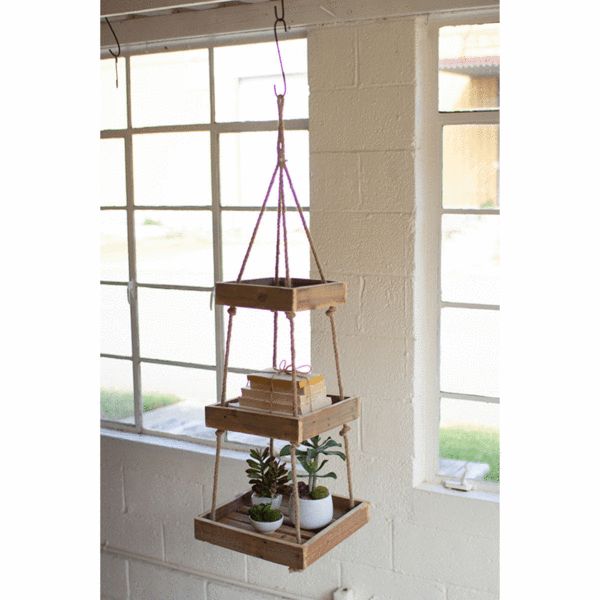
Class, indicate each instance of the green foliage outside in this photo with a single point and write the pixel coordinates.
(116, 404)
(473, 444)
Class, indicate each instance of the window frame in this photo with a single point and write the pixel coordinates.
(215, 129)
(430, 122)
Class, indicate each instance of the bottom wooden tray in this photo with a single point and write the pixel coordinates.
(232, 529)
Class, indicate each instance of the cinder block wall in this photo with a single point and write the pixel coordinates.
(420, 545)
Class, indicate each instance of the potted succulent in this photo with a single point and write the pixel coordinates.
(267, 476)
(265, 518)
(316, 504)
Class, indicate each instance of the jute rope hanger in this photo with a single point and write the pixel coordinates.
(280, 170)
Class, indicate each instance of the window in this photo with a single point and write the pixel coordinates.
(188, 144)
(468, 118)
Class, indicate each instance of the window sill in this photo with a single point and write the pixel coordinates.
(476, 494)
(154, 440)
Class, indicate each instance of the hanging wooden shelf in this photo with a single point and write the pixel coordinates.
(266, 294)
(232, 529)
(233, 417)
(229, 525)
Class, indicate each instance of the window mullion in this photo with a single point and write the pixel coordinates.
(132, 287)
(216, 224)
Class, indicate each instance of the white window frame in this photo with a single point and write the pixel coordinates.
(215, 129)
(428, 303)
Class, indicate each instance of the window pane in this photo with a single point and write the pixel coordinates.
(235, 381)
(116, 390)
(176, 325)
(237, 230)
(469, 347)
(170, 88)
(116, 328)
(114, 107)
(469, 434)
(252, 340)
(244, 79)
(174, 247)
(470, 166)
(469, 67)
(470, 258)
(172, 169)
(113, 245)
(248, 161)
(112, 173)
(174, 399)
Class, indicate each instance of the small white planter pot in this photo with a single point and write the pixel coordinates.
(314, 514)
(266, 526)
(274, 502)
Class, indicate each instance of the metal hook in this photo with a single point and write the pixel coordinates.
(280, 19)
(118, 53)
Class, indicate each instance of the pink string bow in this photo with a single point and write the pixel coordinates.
(285, 368)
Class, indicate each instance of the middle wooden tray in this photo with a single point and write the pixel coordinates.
(232, 417)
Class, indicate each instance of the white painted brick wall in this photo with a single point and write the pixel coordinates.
(151, 582)
(419, 545)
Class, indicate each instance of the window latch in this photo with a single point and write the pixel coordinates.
(130, 291)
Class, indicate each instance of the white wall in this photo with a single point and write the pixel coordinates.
(419, 544)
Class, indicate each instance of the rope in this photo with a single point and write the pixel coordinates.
(276, 281)
(213, 512)
(260, 215)
(231, 310)
(330, 312)
(295, 493)
(306, 229)
(344, 431)
(290, 316)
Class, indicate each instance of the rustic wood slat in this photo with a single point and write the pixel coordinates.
(330, 537)
(233, 530)
(304, 294)
(232, 417)
(288, 526)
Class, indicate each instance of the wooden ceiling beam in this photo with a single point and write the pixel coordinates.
(234, 18)
(114, 8)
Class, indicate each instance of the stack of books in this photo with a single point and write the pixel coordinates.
(272, 391)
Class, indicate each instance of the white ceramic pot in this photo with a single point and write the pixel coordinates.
(314, 514)
(266, 526)
(274, 502)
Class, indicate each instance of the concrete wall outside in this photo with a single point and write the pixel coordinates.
(420, 544)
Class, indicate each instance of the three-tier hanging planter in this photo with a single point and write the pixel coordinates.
(229, 525)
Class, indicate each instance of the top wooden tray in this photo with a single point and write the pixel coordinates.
(304, 294)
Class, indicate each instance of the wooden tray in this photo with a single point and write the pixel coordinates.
(232, 417)
(305, 294)
(232, 529)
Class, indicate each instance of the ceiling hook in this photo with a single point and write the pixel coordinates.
(116, 54)
(280, 19)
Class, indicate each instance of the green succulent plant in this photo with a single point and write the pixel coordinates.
(267, 474)
(319, 492)
(264, 513)
(308, 456)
